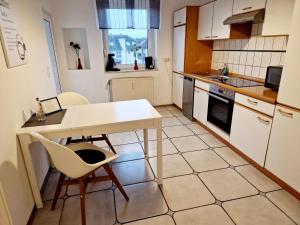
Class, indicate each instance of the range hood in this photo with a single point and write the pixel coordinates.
(256, 16)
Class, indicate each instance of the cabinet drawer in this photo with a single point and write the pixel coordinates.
(255, 104)
(202, 85)
(180, 17)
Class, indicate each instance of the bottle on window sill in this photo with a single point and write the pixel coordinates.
(136, 65)
(40, 113)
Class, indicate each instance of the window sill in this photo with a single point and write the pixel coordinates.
(131, 70)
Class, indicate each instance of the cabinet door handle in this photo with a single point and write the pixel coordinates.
(252, 102)
(286, 114)
(207, 36)
(178, 22)
(247, 8)
(215, 36)
(267, 122)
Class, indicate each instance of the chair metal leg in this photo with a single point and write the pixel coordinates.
(82, 200)
(115, 180)
(109, 144)
(58, 190)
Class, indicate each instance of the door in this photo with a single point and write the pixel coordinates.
(200, 105)
(283, 157)
(52, 53)
(205, 21)
(180, 17)
(242, 6)
(222, 10)
(179, 48)
(177, 89)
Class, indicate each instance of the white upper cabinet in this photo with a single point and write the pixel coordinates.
(222, 10)
(283, 158)
(180, 17)
(289, 90)
(206, 13)
(278, 17)
(242, 6)
(179, 48)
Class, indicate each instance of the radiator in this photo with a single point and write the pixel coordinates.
(122, 89)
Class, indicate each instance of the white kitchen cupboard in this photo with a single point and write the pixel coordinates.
(222, 10)
(289, 90)
(278, 17)
(200, 105)
(179, 48)
(250, 133)
(283, 157)
(242, 6)
(180, 17)
(205, 22)
(177, 89)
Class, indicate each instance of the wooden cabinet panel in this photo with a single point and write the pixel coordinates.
(283, 158)
(242, 6)
(200, 105)
(180, 17)
(205, 21)
(250, 133)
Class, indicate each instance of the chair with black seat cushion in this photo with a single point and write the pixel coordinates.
(79, 162)
(71, 98)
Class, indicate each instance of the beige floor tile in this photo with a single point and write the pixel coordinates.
(146, 200)
(173, 165)
(176, 112)
(186, 192)
(204, 160)
(287, 203)
(161, 108)
(190, 143)
(92, 187)
(133, 171)
(168, 148)
(51, 187)
(255, 210)
(185, 120)
(99, 209)
(177, 131)
(258, 179)
(227, 184)
(101, 144)
(159, 220)
(129, 152)
(46, 216)
(123, 138)
(230, 156)
(170, 121)
(197, 129)
(211, 140)
(166, 113)
(207, 215)
(151, 135)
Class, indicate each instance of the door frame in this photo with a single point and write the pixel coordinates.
(4, 212)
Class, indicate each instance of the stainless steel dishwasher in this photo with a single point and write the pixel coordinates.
(188, 97)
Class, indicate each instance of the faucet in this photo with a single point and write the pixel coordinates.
(225, 70)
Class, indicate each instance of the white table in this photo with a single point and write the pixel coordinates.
(92, 120)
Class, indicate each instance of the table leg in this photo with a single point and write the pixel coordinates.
(146, 142)
(25, 141)
(159, 151)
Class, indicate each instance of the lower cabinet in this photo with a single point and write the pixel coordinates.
(177, 89)
(283, 158)
(200, 105)
(250, 133)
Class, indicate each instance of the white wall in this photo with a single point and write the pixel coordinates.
(18, 88)
(92, 83)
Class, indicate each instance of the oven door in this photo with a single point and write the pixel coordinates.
(220, 111)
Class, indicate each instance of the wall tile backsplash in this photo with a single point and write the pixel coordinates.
(252, 56)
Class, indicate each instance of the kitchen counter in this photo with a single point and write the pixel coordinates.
(258, 92)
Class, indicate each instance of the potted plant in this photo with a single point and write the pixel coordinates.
(135, 50)
(77, 48)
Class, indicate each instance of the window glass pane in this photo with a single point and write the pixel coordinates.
(125, 42)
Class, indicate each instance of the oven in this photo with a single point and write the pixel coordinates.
(220, 107)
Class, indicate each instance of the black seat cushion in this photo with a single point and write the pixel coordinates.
(91, 156)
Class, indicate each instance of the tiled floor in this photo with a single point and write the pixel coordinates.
(205, 182)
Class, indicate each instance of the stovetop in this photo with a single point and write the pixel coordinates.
(235, 81)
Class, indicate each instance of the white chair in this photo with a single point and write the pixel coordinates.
(78, 162)
(71, 98)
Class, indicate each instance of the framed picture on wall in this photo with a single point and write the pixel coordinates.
(51, 105)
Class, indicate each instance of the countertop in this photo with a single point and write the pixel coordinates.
(258, 92)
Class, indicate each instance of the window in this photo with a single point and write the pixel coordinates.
(128, 45)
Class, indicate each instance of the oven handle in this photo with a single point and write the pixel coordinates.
(217, 97)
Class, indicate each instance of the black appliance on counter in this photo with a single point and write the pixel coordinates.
(110, 65)
(149, 63)
(188, 97)
(220, 107)
(273, 77)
